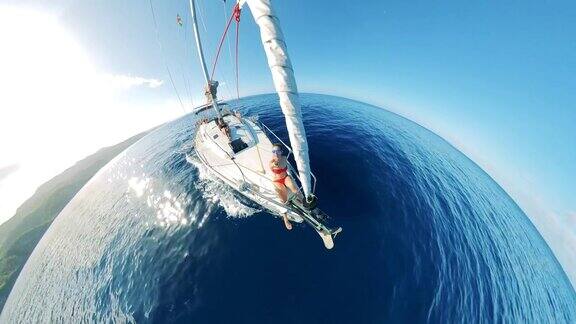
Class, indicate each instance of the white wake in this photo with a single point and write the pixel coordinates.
(218, 193)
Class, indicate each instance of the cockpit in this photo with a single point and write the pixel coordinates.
(230, 134)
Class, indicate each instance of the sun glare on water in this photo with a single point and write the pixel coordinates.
(56, 107)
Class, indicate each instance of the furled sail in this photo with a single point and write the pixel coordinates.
(284, 82)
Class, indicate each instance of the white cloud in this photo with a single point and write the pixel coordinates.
(56, 106)
(7, 170)
(125, 82)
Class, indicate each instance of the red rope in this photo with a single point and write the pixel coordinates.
(236, 15)
(237, 34)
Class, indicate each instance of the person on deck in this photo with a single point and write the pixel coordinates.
(282, 181)
(223, 127)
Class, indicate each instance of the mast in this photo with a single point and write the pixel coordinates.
(285, 84)
(201, 56)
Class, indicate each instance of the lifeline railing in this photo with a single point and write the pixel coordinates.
(254, 186)
(256, 189)
(292, 168)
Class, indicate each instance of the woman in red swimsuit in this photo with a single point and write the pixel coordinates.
(282, 181)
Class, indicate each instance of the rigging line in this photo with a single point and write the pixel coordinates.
(225, 84)
(236, 16)
(187, 92)
(187, 87)
(185, 56)
(237, 68)
(163, 57)
(200, 8)
(214, 64)
(201, 14)
(220, 44)
(227, 39)
(228, 43)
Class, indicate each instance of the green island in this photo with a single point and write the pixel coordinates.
(20, 234)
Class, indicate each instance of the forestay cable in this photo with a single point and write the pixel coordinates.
(184, 40)
(164, 57)
(236, 16)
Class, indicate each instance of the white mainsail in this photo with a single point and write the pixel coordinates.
(284, 82)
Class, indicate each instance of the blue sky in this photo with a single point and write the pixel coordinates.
(495, 78)
(498, 77)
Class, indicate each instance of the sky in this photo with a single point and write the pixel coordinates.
(495, 79)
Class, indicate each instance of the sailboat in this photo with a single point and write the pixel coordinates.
(237, 149)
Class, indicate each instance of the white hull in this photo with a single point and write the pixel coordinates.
(240, 159)
(246, 170)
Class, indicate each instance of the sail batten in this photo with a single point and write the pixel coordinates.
(284, 83)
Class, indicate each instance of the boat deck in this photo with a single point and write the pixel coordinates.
(245, 169)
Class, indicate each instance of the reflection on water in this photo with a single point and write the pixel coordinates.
(428, 237)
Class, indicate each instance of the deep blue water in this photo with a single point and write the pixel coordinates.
(428, 237)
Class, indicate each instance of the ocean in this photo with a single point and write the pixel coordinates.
(427, 236)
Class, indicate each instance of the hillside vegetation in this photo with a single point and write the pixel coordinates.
(20, 234)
